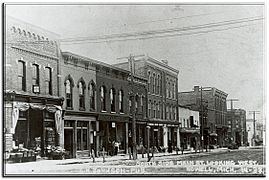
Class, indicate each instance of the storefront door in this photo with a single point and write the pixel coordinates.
(68, 141)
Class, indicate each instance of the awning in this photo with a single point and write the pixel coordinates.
(80, 118)
(213, 134)
(190, 131)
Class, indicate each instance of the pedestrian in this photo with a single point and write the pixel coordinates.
(182, 146)
(170, 147)
(116, 147)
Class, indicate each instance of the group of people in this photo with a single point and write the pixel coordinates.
(114, 148)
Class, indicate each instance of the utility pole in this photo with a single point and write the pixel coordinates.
(254, 124)
(202, 119)
(132, 95)
(232, 116)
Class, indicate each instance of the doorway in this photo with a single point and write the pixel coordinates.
(68, 142)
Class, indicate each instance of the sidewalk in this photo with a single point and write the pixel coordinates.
(75, 165)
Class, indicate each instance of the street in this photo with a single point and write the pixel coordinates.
(244, 161)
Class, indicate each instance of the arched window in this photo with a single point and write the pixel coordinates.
(69, 92)
(149, 78)
(158, 110)
(112, 100)
(158, 85)
(103, 98)
(48, 81)
(21, 76)
(121, 101)
(154, 109)
(92, 95)
(175, 113)
(154, 84)
(81, 91)
(167, 112)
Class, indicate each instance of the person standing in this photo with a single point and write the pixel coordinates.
(116, 146)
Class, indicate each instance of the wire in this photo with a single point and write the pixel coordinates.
(171, 35)
(209, 25)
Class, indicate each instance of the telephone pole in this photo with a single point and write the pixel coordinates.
(132, 95)
(254, 124)
(232, 117)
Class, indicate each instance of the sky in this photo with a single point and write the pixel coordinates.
(228, 57)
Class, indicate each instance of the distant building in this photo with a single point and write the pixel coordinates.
(190, 127)
(259, 139)
(237, 132)
(212, 110)
(162, 99)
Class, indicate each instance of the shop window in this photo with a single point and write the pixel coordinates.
(92, 96)
(48, 81)
(112, 100)
(121, 101)
(82, 136)
(35, 78)
(21, 76)
(103, 98)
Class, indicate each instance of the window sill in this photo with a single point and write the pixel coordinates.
(69, 108)
(121, 113)
(113, 112)
(82, 109)
(103, 111)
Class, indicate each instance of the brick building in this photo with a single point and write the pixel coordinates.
(162, 99)
(236, 120)
(78, 87)
(213, 112)
(32, 105)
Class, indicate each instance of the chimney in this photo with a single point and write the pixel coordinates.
(196, 88)
(165, 62)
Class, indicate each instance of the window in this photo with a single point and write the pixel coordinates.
(48, 84)
(136, 103)
(81, 90)
(130, 105)
(92, 95)
(157, 110)
(154, 84)
(68, 92)
(82, 136)
(175, 113)
(35, 78)
(121, 101)
(154, 109)
(158, 85)
(167, 112)
(149, 109)
(103, 98)
(21, 76)
(112, 100)
(171, 113)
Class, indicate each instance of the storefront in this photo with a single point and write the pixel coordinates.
(34, 126)
(114, 128)
(190, 138)
(80, 135)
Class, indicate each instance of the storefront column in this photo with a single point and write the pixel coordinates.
(165, 136)
(75, 140)
(61, 135)
(126, 138)
(97, 138)
(43, 133)
(8, 126)
(178, 138)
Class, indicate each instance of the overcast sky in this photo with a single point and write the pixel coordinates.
(228, 57)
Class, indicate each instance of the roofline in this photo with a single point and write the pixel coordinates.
(95, 61)
(162, 64)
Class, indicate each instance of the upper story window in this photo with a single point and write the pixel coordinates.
(35, 78)
(154, 109)
(154, 84)
(92, 95)
(21, 76)
(175, 113)
(112, 99)
(167, 112)
(69, 93)
(121, 101)
(103, 98)
(149, 109)
(48, 81)
(136, 103)
(81, 90)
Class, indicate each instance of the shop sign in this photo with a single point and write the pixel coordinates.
(156, 130)
(113, 124)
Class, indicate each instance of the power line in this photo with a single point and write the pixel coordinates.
(163, 36)
(147, 33)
